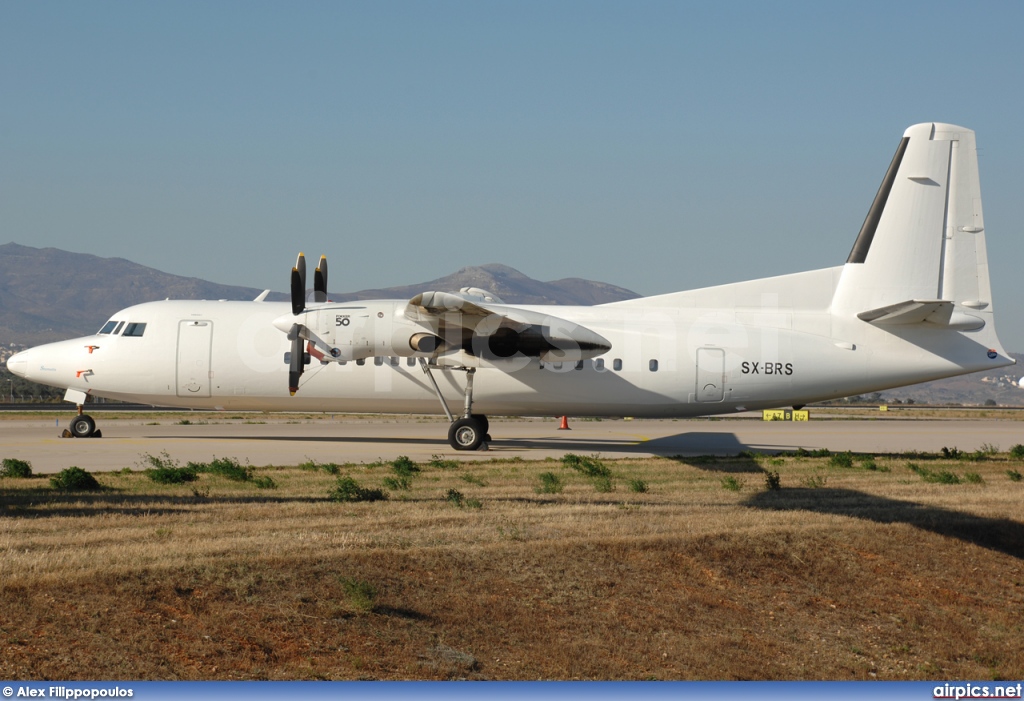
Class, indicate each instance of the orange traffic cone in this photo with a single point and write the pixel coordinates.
(565, 424)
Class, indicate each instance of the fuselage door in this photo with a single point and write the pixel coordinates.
(710, 375)
(195, 341)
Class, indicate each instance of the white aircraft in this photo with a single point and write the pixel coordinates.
(911, 304)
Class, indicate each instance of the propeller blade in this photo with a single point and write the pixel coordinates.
(299, 285)
(296, 366)
(320, 281)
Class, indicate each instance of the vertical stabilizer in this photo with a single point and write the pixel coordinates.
(923, 240)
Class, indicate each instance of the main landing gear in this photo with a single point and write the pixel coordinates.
(82, 426)
(470, 431)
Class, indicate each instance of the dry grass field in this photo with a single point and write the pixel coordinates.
(899, 567)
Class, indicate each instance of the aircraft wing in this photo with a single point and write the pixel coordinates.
(484, 328)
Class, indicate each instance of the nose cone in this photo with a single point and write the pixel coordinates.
(18, 364)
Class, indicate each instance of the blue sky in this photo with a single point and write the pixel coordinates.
(657, 146)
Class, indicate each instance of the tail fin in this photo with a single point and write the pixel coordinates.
(920, 256)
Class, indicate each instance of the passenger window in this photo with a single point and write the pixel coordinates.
(379, 360)
(556, 366)
(108, 327)
(653, 365)
(617, 364)
(579, 364)
(410, 361)
(361, 361)
(394, 361)
(134, 329)
(599, 364)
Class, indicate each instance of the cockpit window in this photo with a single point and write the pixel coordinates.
(134, 329)
(108, 327)
(118, 329)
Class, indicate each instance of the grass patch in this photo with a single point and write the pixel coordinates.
(603, 484)
(589, 466)
(1014, 475)
(772, 480)
(330, 468)
(732, 483)
(934, 476)
(75, 479)
(1017, 452)
(13, 467)
(348, 490)
(473, 479)
(440, 463)
(637, 485)
(843, 460)
(973, 478)
(550, 483)
(264, 482)
(360, 595)
(163, 470)
(225, 467)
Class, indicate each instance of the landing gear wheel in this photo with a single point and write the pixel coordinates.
(83, 426)
(466, 434)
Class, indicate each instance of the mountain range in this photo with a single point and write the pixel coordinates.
(47, 294)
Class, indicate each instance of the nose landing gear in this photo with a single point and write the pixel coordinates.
(82, 426)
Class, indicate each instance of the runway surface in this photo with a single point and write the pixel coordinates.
(284, 440)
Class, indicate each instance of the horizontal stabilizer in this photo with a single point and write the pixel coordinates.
(938, 312)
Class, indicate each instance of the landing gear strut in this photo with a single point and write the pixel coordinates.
(470, 431)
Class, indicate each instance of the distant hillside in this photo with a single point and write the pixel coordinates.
(47, 294)
(509, 284)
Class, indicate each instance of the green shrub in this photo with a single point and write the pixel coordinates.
(13, 467)
(361, 595)
(172, 475)
(225, 467)
(348, 489)
(772, 480)
(264, 482)
(397, 483)
(550, 483)
(589, 466)
(841, 460)
(404, 467)
(868, 462)
(1017, 452)
(933, 476)
(74, 479)
(603, 484)
(454, 496)
(638, 486)
(973, 478)
(731, 483)
(328, 467)
(1014, 475)
(953, 453)
(473, 479)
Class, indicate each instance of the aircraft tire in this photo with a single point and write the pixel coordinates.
(83, 426)
(466, 434)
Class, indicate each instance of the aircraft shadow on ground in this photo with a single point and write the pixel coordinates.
(999, 534)
(692, 443)
(35, 504)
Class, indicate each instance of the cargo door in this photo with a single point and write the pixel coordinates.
(710, 375)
